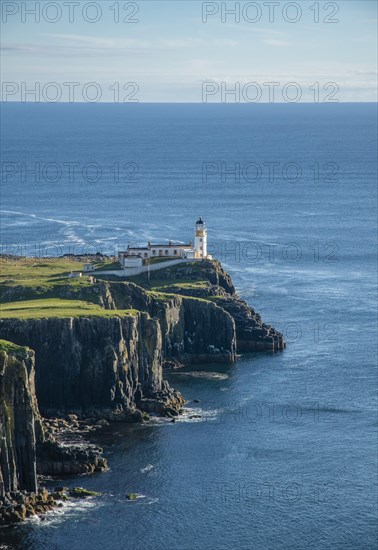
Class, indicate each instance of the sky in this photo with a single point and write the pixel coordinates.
(189, 51)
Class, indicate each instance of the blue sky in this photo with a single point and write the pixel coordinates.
(170, 51)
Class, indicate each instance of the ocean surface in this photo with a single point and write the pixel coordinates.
(284, 455)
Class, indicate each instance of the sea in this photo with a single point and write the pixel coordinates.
(279, 450)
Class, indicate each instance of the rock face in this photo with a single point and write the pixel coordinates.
(56, 459)
(19, 424)
(18, 414)
(97, 366)
(195, 331)
(26, 448)
(251, 333)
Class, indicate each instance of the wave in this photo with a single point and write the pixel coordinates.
(197, 414)
(34, 216)
(147, 468)
(69, 508)
(192, 414)
(204, 375)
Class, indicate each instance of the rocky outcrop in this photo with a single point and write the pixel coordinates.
(209, 270)
(57, 459)
(195, 331)
(20, 425)
(18, 418)
(17, 506)
(208, 339)
(251, 333)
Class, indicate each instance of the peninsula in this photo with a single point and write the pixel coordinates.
(79, 352)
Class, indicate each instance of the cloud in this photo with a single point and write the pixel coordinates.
(67, 50)
(97, 42)
(76, 45)
(24, 48)
(365, 72)
(248, 28)
(275, 42)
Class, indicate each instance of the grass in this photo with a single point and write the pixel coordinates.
(27, 278)
(9, 347)
(169, 295)
(106, 265)
(155, 284)
(160, 259)
(40, 277)
(39, 288)
(54, 307)
(30, 270)
(47, 272)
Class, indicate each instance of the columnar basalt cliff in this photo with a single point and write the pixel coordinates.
(18, 418)
(20, 429)
(99, 367)
(195, 331)
(26, 449)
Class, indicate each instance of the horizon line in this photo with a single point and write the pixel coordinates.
(186, 103)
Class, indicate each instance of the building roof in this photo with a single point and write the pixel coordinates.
(169, 245)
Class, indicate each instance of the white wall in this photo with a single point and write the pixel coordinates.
(129, 272)
(132, 262)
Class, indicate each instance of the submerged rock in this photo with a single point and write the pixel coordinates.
(80, 492)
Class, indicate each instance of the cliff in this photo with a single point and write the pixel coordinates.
(207, 281)
(95, 366)
(25, 447)
(111, 367)
(20, 426)
(18, 417)
(105, 367)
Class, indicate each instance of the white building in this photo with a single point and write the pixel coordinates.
(170, 250)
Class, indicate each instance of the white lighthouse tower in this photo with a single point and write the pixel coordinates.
(200, 239)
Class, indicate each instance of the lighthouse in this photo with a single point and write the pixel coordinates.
(200, 240)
